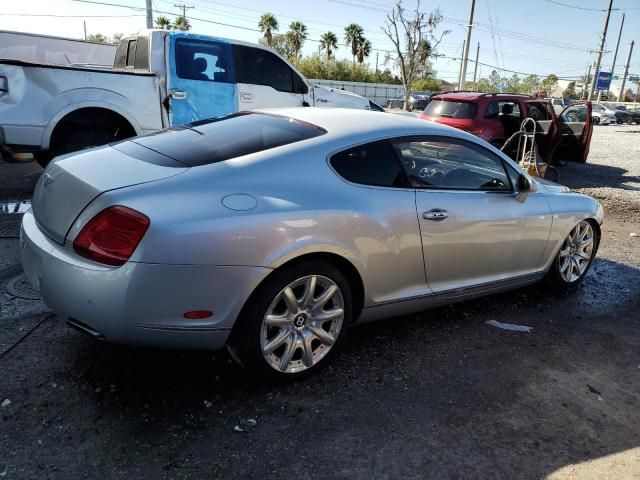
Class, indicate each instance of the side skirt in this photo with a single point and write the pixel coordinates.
(425, 302)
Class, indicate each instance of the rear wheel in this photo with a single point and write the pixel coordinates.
(294, 324)
(575, 256)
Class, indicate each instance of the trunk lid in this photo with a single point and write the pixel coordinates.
(72, 182)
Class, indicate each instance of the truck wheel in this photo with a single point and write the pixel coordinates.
(73, 141)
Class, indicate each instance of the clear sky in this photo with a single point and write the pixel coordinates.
(532, 36)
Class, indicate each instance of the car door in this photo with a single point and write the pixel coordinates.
(265, 80)
(546, 126)
(475, 228)
(201, 82)
(576, 127)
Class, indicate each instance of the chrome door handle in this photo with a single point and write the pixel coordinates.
(246, 97)
(178, 94)
(435, 215)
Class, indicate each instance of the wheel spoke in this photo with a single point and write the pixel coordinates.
(277, 341)
(322, 335)
(565, 265)
(324, 298)
(292, 346)
(309, 291)
(326, 315)
(584, 255)
(290, 300)
(277, 320)
(307, 351)
(585, 242)
(564, 252)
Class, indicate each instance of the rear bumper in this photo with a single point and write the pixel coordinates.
(138, 303)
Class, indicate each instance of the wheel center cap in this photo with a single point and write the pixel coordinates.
(300, 320)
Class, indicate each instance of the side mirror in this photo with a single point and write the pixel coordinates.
(524, 184)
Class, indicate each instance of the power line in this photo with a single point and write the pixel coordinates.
(576, 7)
(65, 16)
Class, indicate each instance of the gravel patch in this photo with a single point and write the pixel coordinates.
(612, 171)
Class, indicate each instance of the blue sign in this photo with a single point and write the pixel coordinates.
(604, 81)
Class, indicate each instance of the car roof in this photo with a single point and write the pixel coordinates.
(343, 122)
(469, 96)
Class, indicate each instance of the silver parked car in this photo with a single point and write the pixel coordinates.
(271, 232)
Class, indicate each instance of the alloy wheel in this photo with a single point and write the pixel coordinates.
(576, 252)
(302, 324)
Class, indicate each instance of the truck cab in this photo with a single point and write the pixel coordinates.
(159, 79)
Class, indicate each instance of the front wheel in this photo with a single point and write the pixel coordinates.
(294, 324)
(575, 256)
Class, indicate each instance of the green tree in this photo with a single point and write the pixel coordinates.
(267, 25)
(298, 31)
(353, 34)
(364, 49)
(512, 84)
(283, 44)
(97, 38)
(181, 23)
(570, 91)
(495, 81)
(329, 43)
(163, 23)
(426, 84)
(530, 84)
(549, 84)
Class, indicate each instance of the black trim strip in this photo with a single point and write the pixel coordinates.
(23, 63)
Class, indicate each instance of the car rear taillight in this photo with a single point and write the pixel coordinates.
(112, 235)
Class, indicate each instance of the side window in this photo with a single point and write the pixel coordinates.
(131, 53)
(142, 54)
(447, 163)
(575, 113)
(371, 164)
(202, 60)
(494, 109)
(261, 67)
(538, 112)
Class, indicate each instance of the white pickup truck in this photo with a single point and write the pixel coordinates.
(159, 79)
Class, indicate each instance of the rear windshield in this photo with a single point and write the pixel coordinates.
(222, 138)
(450, 108)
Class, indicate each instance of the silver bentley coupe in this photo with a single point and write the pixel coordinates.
(271, 232)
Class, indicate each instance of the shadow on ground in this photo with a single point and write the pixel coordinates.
(435, 395)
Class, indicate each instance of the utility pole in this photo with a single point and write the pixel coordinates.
(465, 57)
(149, 14)
(461, 64)
(377, 53)
(615, 55)
(183, 7)
(84, 22)
(475, 69)
(626, 70)
(585, 85)
(603, 39)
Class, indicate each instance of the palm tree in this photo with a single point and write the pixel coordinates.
(268, 24)
(329, 43)
(181, 23)
(352, 36)
(299, 34)
(164, 23)
(364, 49)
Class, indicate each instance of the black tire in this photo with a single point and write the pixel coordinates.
(73, 141)
(554, 275)
(245, 340)
(43, 158)
(596, 120)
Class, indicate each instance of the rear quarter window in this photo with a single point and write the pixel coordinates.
(450, 109)
(219, 139)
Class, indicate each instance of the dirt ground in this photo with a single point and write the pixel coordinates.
(438, 395)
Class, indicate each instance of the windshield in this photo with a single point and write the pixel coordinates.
(450, 108)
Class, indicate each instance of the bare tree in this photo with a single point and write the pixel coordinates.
(413, 36)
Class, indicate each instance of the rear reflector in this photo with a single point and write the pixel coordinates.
(198, 314)
(112, 235)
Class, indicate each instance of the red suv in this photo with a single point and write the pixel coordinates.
(494, 117)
